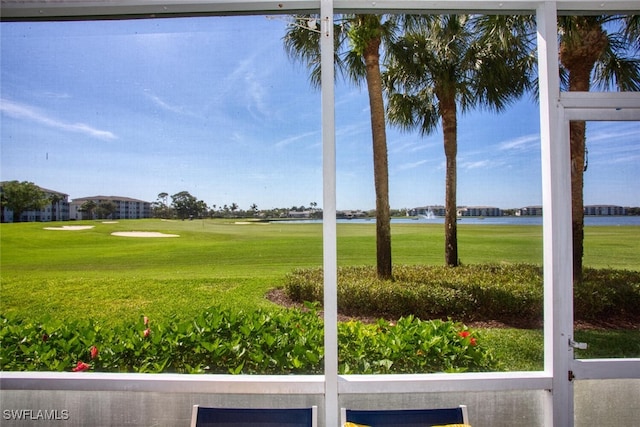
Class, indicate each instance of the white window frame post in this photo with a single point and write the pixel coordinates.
(329, 235)
(558, 246)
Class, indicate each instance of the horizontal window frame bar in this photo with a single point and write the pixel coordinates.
(164, 383)
(606, 369)
(16, 10)
(444, 383)
(276, 384)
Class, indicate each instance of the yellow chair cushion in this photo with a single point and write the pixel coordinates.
(349, 424)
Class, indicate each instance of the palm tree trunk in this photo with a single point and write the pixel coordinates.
(577, 130)
(380, 161)
(579, 55)
(579, 80)
(449, 129)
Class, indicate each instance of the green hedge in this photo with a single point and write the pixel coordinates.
(224, 341)
(466, 293)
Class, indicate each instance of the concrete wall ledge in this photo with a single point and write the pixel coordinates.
(171, 383)
(274, 384)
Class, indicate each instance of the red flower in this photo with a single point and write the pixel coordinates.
(94, 351)
(147, 332)
(145, 319)
(81, 367)
(464, 334)
(45, 337)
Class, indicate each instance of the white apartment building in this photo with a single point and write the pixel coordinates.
(479, 211)
(126, 208)
(56, 210)
(604, 210)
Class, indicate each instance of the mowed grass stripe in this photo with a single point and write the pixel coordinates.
(90, 273)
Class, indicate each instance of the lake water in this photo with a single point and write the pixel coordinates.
(525, 220)
(501, 220)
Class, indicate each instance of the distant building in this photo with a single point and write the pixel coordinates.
(428, 211)
(604, 210)
(529, 211)
(56, 210)
(299, 214)
(126, 208)
(479, 211)
(350, 214)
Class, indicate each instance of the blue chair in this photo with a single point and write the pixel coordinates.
(254, 417)
(405, 417)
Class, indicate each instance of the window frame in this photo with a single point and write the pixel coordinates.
(555, 109)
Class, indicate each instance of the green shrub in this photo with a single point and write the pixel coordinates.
(606, 293)
(411, 346)
(509, 292)
(217, 341)
(222, 341)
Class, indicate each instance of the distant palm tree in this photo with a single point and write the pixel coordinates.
(233, 208)
(603, 51)
(449, 63)
(358, 40)
(87, 209)
(55, 200)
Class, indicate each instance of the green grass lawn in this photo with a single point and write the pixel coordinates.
(116, 280)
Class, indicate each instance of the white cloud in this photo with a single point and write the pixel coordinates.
(522, 143)
(617, 136)
(164, 105)
(412, 165)
(56, 95)
(26, 112)
(480, 164)
(293, 139)
(352, 130)
(244, 83)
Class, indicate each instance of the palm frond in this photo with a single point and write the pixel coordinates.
(486, 61)
(632, 30)
(303, 46)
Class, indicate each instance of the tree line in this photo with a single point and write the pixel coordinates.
(184, 205)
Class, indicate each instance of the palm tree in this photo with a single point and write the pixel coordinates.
(55, 200)
(590, 54)
(450, 63)
(358, 40)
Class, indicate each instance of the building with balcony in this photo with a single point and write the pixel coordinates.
(479, 211)
(604, 210)
(56, 210)
(428, 211)
(124, 208)
(529, 211)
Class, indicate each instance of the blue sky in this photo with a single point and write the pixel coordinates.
(214, 106)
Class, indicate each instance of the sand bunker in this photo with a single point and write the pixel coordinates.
(109, 222)
(70, 227)
(142, 234)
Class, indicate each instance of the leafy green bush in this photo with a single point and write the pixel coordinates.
(217, 341)
(466, 293)
(411, 346)
(607, 292)
(222, 341)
